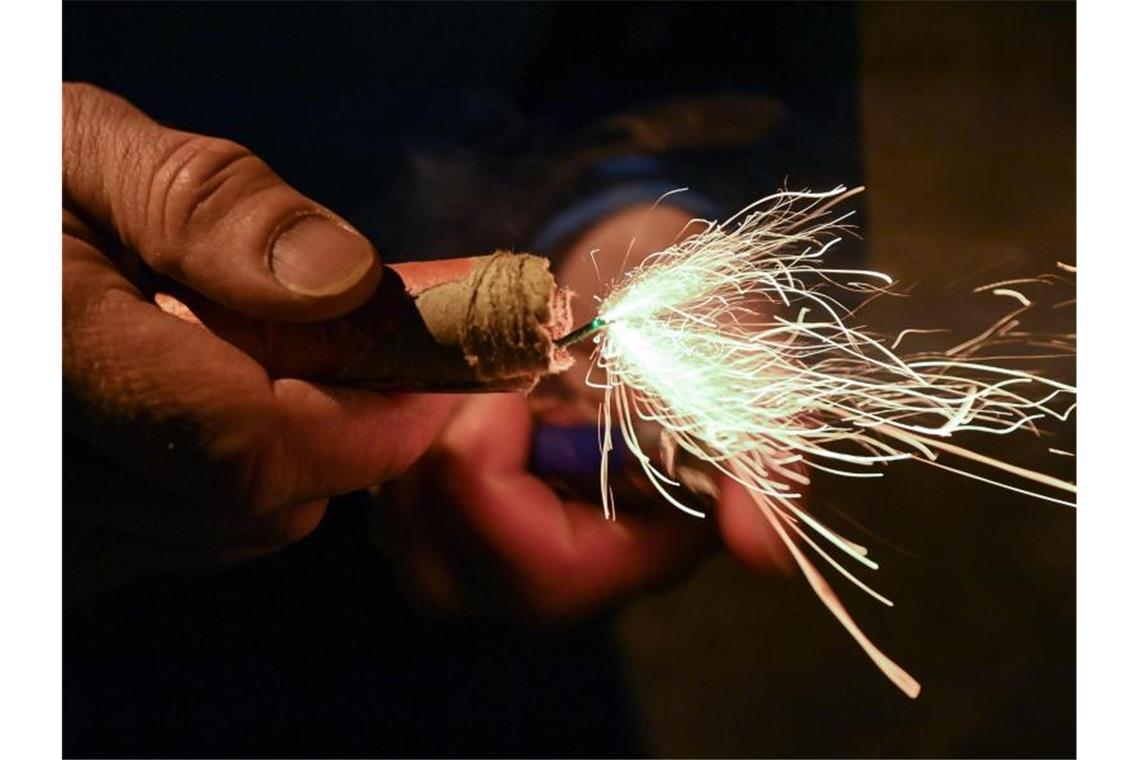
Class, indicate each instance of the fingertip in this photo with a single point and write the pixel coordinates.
(747, 534)
(492, 431)
(401, 426)
(614, 558)
(423, 416)
(326, 267)
(335, 440)
(304, 519)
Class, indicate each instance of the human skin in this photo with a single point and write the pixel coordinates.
(474, 532)
(246, 456)
(224, 452)
(599, 258)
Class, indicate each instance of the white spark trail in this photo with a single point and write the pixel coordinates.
(735, 342)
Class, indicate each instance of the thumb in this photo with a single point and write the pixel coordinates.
(210, 214)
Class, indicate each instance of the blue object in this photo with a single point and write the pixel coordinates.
(572, 451)
(563, 227)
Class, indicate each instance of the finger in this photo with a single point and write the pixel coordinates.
(284, 349)
(265, 534)
(577, 562)
(210, 214)
(171, 395)
(304, 519)
(747, 534)
(343, 439)
(565, 557)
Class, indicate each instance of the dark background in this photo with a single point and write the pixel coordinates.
(419, 122)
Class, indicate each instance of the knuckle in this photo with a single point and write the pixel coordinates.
(195, 182)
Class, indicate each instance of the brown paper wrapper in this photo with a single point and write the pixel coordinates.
(486, 323)
(480, 324)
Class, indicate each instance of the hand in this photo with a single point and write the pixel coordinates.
(245, 456)
(596, 260)
(472, 530)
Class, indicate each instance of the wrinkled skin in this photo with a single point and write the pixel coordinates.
(246, 455)
(219, 452)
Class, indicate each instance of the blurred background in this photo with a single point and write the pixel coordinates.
(449, 129)
(968, 134)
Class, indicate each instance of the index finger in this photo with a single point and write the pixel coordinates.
(564, 555)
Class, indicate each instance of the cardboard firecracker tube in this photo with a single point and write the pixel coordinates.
(486, 323)
(480, 324)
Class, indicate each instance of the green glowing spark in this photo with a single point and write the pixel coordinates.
(581, 333)
(734, 343)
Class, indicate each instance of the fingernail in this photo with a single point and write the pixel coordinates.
(315, 256)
